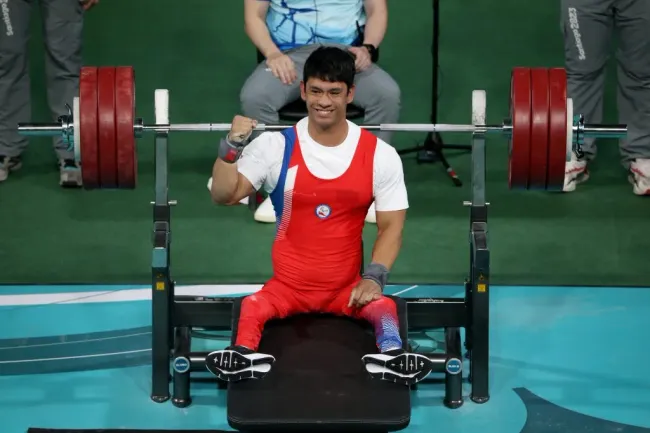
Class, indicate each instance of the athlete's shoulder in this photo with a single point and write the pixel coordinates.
(383, 150)
(386, 150)
(386, 157)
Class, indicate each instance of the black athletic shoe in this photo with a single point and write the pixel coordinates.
(398, 366)
(236, 363)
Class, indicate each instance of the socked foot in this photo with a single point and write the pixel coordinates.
(398, 366)
(237, 363)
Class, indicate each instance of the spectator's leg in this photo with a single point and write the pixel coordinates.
(263, 95)
(587, 29)
(15, 106)
(63, 32)
(633, 54)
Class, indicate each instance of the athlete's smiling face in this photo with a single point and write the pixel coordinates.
(326, 101)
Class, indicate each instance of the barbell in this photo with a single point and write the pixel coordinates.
(543, 131)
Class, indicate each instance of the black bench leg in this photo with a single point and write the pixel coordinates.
(453, 369)
(181, 386)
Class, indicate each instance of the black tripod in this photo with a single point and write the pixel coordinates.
(431, 149)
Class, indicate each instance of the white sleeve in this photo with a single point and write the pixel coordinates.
(257, 158)
(390, 188)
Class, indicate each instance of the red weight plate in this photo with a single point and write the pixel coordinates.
(127, 167)
(106, 127)
(520, 107)
(537, 167)
(88, 127)
(557, 130)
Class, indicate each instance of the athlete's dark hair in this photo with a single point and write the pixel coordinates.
(330, 64)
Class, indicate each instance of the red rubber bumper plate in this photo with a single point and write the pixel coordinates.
(520, 114)
(557, 147)
(88, 127)
(106, 127)
(127, 168)
(539, 131)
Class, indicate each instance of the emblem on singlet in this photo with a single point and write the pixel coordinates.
(323, 211)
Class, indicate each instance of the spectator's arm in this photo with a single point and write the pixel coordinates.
(376, 21)
(255, 26)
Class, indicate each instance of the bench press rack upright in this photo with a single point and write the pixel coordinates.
(477, 294)
(173, 317)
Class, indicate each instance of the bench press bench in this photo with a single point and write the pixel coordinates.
(318, 381)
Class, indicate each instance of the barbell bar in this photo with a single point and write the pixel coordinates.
(101, 128)
(65, 127)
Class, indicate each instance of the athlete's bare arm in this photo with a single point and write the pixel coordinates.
(228, 185)
(389, 237)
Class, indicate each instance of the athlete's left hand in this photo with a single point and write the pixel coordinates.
(364, 293)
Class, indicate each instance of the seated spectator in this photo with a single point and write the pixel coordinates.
(286, 32)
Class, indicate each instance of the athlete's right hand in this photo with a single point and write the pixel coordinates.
(282, 67)
(241, 128)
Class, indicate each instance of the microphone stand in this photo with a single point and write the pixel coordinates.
(433, 146)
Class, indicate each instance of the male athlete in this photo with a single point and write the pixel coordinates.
(322, 176)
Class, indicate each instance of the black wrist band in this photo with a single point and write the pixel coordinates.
(377, 273)
(372, 50)
(228, 151)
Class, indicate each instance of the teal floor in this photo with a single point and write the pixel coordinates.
(563, 359)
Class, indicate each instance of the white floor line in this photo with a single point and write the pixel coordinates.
(128, 294)
(64, 343)
(94, 355)
(121, 295)
(405, 290)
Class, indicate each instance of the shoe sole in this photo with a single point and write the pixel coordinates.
(231, 366)
(381, 373)
(405, 368)
(70, 184)
(257, 372)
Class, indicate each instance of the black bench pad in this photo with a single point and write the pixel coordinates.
(318, 382)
